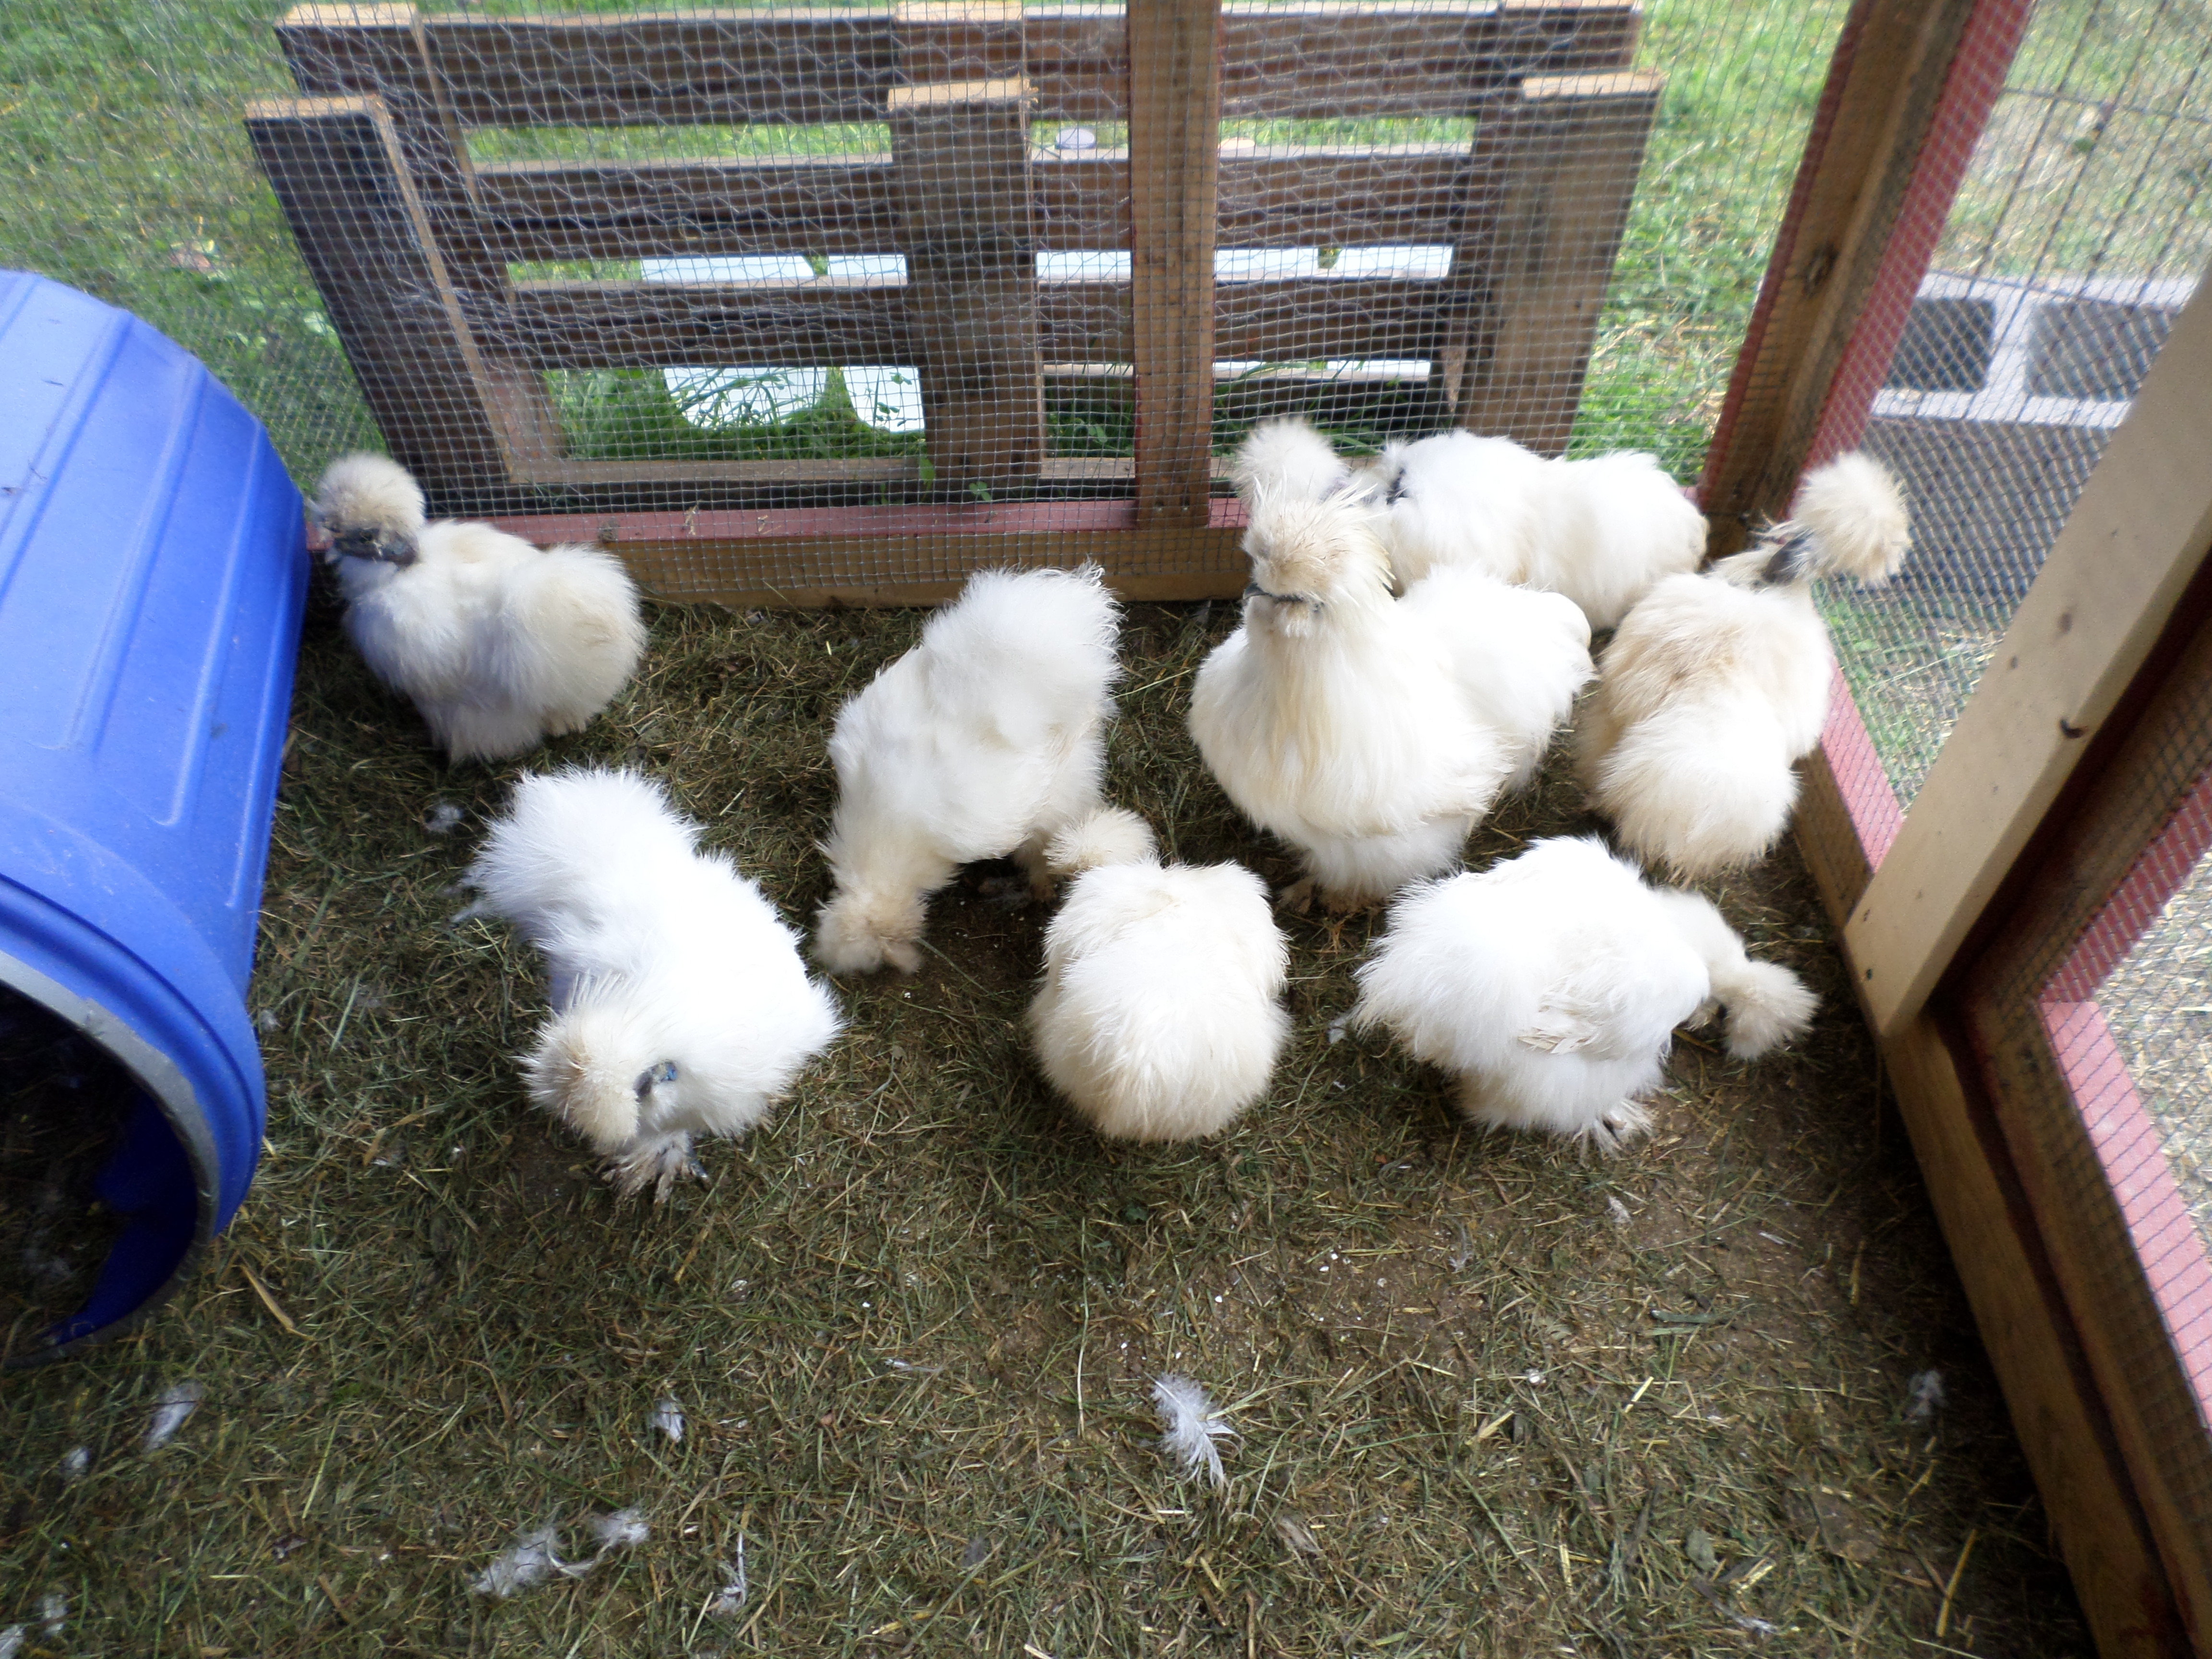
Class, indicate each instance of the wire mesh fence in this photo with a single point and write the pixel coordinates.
(2080, 229)
(614, 258)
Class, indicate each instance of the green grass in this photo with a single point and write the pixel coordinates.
(130, 176)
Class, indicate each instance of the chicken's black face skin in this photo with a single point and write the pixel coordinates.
(1786, 562)
(1253, 591)
(367, 544)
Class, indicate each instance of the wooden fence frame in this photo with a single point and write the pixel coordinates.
(411, 243)
(1933, 903)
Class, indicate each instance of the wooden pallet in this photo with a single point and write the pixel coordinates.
(411, 243)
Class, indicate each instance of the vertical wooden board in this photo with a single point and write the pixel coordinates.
(381, 52)
(339, 172)
(1175, 166)
(1555, 166)
(2063, 1426)
(1883, 95)
(960, 151)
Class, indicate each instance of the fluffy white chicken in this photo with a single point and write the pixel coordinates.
(1599, 531)
(1159, 1017)
(1371, 732)
(498, 644)
(680, 1005)
(984, 740)
(1550, 986)
(1716, 683)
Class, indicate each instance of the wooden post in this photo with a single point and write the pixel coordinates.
(337, 170)
(961, 153)
(1555, 166)
(1175, 164)
(380, 50)
(1884, 95)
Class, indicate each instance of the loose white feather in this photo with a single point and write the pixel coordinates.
(668, 1417)
(177, 1402)
(1192, 1428)
(529, 1560)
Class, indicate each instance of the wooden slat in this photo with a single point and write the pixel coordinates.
(2138, 534)
(902, 555)
(834, 320)
(655, 324)
(1174, 156)
(961, 156)
(772, 64)
(1890, 68)
(1555, 168)
(832, 65)
(645, 209)
(381, 52)
(1305, 197)
(337, 170)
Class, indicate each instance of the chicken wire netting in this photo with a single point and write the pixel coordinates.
(2081, 227)
(607, 258)
(2092, 1019)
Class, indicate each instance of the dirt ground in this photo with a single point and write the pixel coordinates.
(1491, 1398)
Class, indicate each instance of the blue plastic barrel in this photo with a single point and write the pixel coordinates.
(153, 570)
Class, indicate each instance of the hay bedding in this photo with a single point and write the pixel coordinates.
(1491, 1398)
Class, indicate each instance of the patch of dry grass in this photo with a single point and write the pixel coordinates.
(1492, 1399)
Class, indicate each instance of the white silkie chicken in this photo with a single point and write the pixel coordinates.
(1716, 683)
(680, 1005)
(1550, 985)
(1601, 531)
(983, 741)
(1160, 1016)
(1372, 733)
(498, 644)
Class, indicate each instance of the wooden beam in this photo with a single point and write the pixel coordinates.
(1174, 156)
(845, 320)
(808, 65)
(962, 155)
(2064, 1427)
(1309, 197)
(381, 52)
(1554, 170)
(338, 172)
(1884, 92)
(2140, 531)
(901, 556)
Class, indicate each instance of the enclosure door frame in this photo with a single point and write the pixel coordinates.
(1987, 863)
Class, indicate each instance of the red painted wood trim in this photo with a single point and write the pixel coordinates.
(1856, 768)
(1977, 76)
(2132, 1150)
(1016, 517)
(2155, 876)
